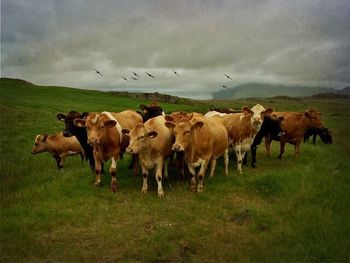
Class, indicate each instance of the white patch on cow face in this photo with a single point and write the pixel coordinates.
(114, 164)
(94, 120)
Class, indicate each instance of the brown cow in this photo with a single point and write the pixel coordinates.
(202, 140)
(294, 127)
(58, 146)
(104, 133)
(242, 129)
(152, 142)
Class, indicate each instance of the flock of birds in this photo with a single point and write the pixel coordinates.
(136, 76)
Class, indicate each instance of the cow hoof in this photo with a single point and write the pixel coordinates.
(193, 188)
(160, 194)
(143, 191)
(200, 189)
(97, 184)
(254, 165)
(114, 188)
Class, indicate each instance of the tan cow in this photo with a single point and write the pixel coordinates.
(242, 129)
(152, 142)
(104, 132)
(202, 140)
(294, 127)
(58, 146)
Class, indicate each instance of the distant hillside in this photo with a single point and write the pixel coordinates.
(255, 90)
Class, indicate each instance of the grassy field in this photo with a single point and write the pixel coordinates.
(284, 211)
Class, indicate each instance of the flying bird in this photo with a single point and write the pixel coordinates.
(150, 75)
(135, 74)
(134, 78)
(98, 72)
(227, 76)
(175, 72)
(124, 78)
(225, 87)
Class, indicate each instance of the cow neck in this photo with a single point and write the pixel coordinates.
(190, 151)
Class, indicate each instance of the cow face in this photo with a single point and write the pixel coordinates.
(150, 112)
(96, 125)
(39, 144)
(326, 135)
(183, 132)
(313, 119)
(70, 128)
(258, 113)
(140, 138)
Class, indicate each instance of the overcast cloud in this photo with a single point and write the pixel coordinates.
(285, 42)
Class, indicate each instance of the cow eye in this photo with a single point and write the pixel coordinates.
(142, 137)
(187, 132)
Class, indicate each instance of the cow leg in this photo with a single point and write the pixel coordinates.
(226, 161)
(98, 166)
(166, 163)
(268, 141)
(58, 161)
(253, 149)
(314, 139)
(212, 166)
(159, 168)
(193, 179)
(238, 150)
(297, 149)
(135, 163)
(180, 164)
(144, 175)
(245, 160)
(113, 173)
(201, 174)
(282, 146)
(63, 158)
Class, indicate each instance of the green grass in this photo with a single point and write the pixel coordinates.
(284, 211)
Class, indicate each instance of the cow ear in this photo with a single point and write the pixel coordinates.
(170, 124)
(79, 122)
(268, 111)
(281, 118)
(169, 118)
(246, 110)
(45, 137)
(152, 134)
(84, 115)
(198, 125)
(110, 123)
(190, 116)
(125, 131)
(61, 117)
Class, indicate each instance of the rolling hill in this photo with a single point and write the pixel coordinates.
(257, 90)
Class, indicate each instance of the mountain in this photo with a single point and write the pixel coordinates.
(257, 90)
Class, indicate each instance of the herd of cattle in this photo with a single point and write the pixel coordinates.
(153, 138)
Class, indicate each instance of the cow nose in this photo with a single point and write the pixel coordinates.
(129, 150)
(176, 147)
(92, 141)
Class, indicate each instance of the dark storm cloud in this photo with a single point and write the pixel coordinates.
(60, 42)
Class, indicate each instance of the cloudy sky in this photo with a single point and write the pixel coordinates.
(60, 42)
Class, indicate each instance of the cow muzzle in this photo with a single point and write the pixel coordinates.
(129, 150)
(92, 141)
(177, 147)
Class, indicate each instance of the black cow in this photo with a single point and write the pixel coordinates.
(271, 126)
(78, 132)
(324, 133)
(149, 112)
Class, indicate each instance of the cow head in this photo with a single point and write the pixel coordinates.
(96, 125)
(258, 113)
(183, 131)
(326, 135)
(140, 138)
(313, 119)
(70, 128)
(39, 144)
(149, 112)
